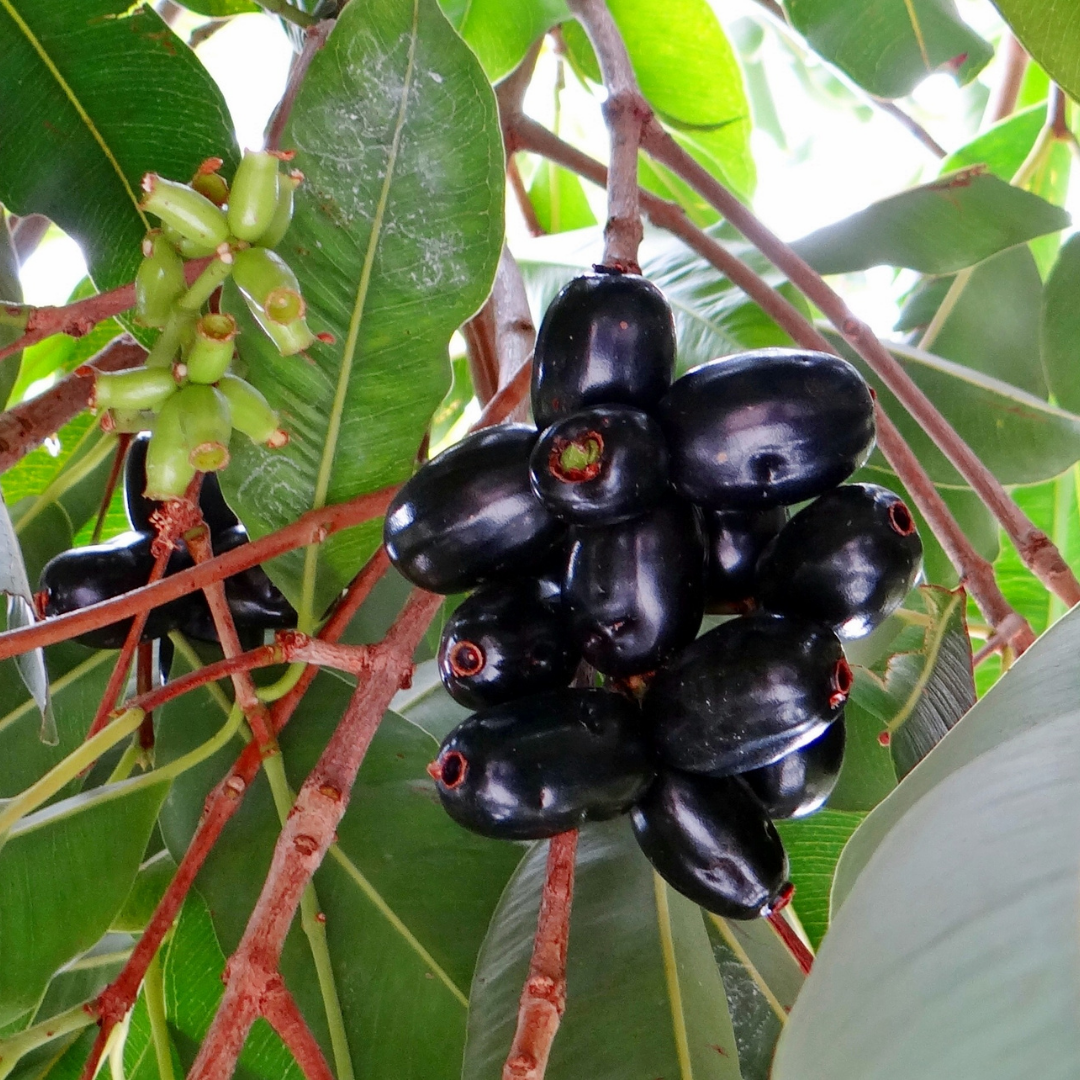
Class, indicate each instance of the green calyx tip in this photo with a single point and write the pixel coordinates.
(578, 456)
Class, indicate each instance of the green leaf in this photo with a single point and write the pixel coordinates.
(47, 913)
(559, 199)
(950, 956)
(644, 995)
(397, 234)
(1051, 35)
(407, 894)
(889, 46)
(10, 290)
(1041, 686)
(500, 38)
(219, 9)
(1061, 326)
(71, 72)
(690, 75)
(814, 845)
(146, 892)
(937, 228)
(1003, 147)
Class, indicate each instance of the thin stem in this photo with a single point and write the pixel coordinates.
(122, 442)
(946, 307)
(911, 124)
(281, 1010)
(626, 114)
(543, 998)
(27, 233)
(154, 989)
(794, 944)
(18, 1046)
(521, 196)
(286, 11)
(1003, 97)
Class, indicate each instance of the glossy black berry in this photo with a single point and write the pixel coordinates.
(766, 428)
(254, 599)
(711, 840)
(747, 693)
(606, 339)
(83, 576)
(601, 465)
(800, 782)
(848, 560)
(470, 515)
(543, 764)
(734, 541)
(215, 510)
(507, 641)
(634, 591)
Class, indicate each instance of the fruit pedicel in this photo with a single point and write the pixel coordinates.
(639, 504)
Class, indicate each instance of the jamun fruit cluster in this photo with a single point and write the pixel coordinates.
(88, 575)
(604, 536)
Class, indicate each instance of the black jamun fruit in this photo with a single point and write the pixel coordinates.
(544, 764)
(734, 541)
(800, 782)
(766, 428)
(606, 339)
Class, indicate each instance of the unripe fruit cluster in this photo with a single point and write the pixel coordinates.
(88, 575)
(184, 392)
(604, 536)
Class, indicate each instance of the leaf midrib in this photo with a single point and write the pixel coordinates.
(76, 104)
(671, 976)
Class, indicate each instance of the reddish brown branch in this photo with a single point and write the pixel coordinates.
(543, 998)
(30, 423)
(1003, 98)
(314, 39)
(521, 196)
(975, 572)
(626, 114)
(280, 1009)
(80, 318)
(312, 527)
(27, 233)
(794, 944)
(482, 351)
(305, 837)
(144, 683)
(1035, 547)
(912, 125)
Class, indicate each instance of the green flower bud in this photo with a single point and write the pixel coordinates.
(159, 281)
(283, 212)
(254, 195)
(212, 349)
(140, 388)
(209, 182)
(168, 470)
(193, 215)
(206, 424)
(273, 294)
(251, 412)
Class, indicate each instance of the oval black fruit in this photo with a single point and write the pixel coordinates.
(507, 641)
(83, 576)
(800, 782)
(215, 510)
(542, 765)
(747, 693)
(734, 541)
(470, 515)
(634, 591)
(766, 428)
(601, 465)
(605, 339)
(711, 840)
(254, 599)
(848, 560)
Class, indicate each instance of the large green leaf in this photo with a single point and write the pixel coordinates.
(72, 75)
(397, 234)
(690, 75)
(10, 290)
(937, 228)
(407, 894)
(1003, 147)
(644, 996)
(501, 37)
(1061, 326)
(1051, 34)
(48, 913)
(889, 46)
(954, 954)
(1041, 686)
(559, 199)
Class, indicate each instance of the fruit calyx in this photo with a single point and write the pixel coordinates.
(900, 519)
(449, 769)
(466, 659)
(842, 681)
(575, 461)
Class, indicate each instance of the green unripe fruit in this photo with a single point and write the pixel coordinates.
(212, 349)
(206, 424)
(209, 182)
(272, 293)
(193, 215)
(176, 334)
(251, 412)
(168, 470)
(204, 285)
(127, 421)
(159, 281)
(283, 212)
(188, 249)
(254, 195)
(141, 388)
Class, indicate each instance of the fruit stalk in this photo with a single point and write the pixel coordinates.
(543, 998)
(280, 1009)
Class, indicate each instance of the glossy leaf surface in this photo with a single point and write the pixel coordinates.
(1050, 36)
(498, 38)
(395, 239)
